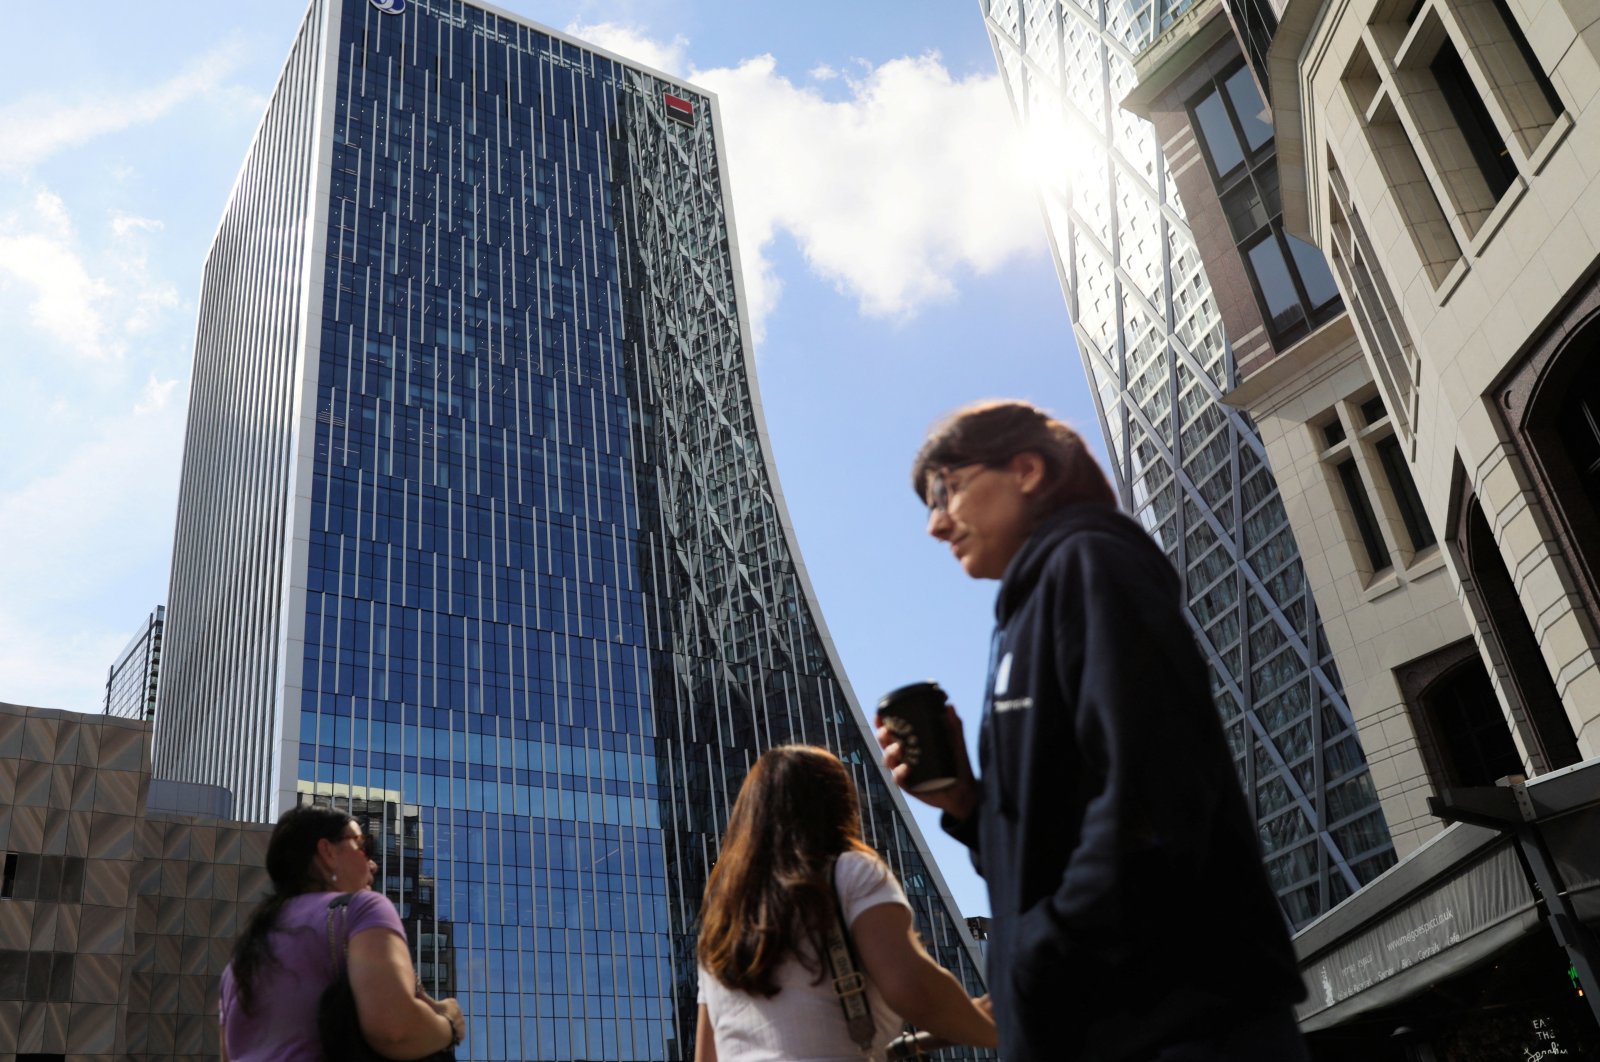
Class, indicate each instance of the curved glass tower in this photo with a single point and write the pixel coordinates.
(1192, 468)
(478, 530)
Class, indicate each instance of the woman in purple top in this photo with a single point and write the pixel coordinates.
(281, 963)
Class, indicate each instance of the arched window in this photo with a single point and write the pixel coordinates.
(1552, 406)
(1537, 710)
(1471, 739)
(1461, 729)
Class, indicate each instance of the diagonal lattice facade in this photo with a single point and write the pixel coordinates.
(478, 529)
(745, 663)
(1191, 468)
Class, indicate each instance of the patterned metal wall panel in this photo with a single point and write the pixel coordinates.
(65, 928)
(194, 889)
(1191, 468)
(542, 609)
(115, 925)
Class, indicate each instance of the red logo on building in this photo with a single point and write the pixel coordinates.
(679, 108)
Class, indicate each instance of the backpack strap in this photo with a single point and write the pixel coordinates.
(848, 980)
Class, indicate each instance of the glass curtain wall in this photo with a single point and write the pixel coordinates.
(1192, 469)
(542, 613)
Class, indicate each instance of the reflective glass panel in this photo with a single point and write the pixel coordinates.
(1313, 270)
(1217, 135)
(1249, 108)
(1277, 287)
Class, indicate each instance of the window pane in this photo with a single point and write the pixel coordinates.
(1217, 135)
(1361, 509)
(1266, 178)
(1248, 106)
(1405, 493)
(1246, 213)
(1578, 423)
(1483, 138)
(1277, 288)
(1313, 269)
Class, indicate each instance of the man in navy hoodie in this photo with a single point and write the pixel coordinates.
(1132, 919)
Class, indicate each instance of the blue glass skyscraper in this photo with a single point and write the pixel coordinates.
(478, 529)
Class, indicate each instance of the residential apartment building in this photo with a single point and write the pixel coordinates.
(478, 530)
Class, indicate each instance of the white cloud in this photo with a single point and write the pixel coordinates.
(33, 129)
(156, 396)
(123, 224)
(86, 302)
(42, 258)
(891, 193)
(630, 43)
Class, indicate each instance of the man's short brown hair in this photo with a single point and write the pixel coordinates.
(994, 431)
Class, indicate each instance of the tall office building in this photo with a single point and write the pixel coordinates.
(133, 680)
(1192, 469)
(478, 528)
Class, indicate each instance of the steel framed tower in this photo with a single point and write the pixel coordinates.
(478, 528)
(1192, 468)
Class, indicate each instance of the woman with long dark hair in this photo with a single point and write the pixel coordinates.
(282, 963)
(792, 863)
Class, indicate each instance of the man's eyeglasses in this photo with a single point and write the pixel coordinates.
(940, 489)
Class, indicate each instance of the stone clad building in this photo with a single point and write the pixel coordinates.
(1446, 156)
(119, 904)
(1430, 400)
(1372, 558)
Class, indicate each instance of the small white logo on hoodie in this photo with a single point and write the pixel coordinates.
(1002, 676)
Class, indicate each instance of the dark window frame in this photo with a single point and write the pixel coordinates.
(1257, 173)
(1367, 526)
(1541, 77)
(1422, 683)
(1392, 458)
(1484, 140)
(1525, 679)
(1255, 23)
(1544, 378)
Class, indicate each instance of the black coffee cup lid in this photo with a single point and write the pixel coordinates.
(927, 686)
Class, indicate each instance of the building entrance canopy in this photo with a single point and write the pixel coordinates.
(1459, 900)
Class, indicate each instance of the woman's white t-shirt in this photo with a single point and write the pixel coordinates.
(805, 1022)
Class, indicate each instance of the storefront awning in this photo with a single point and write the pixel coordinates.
(1450, 905)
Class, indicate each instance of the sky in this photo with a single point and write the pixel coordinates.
(895, 266)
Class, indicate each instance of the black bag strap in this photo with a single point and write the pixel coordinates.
(339, 946)
(845, 967)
